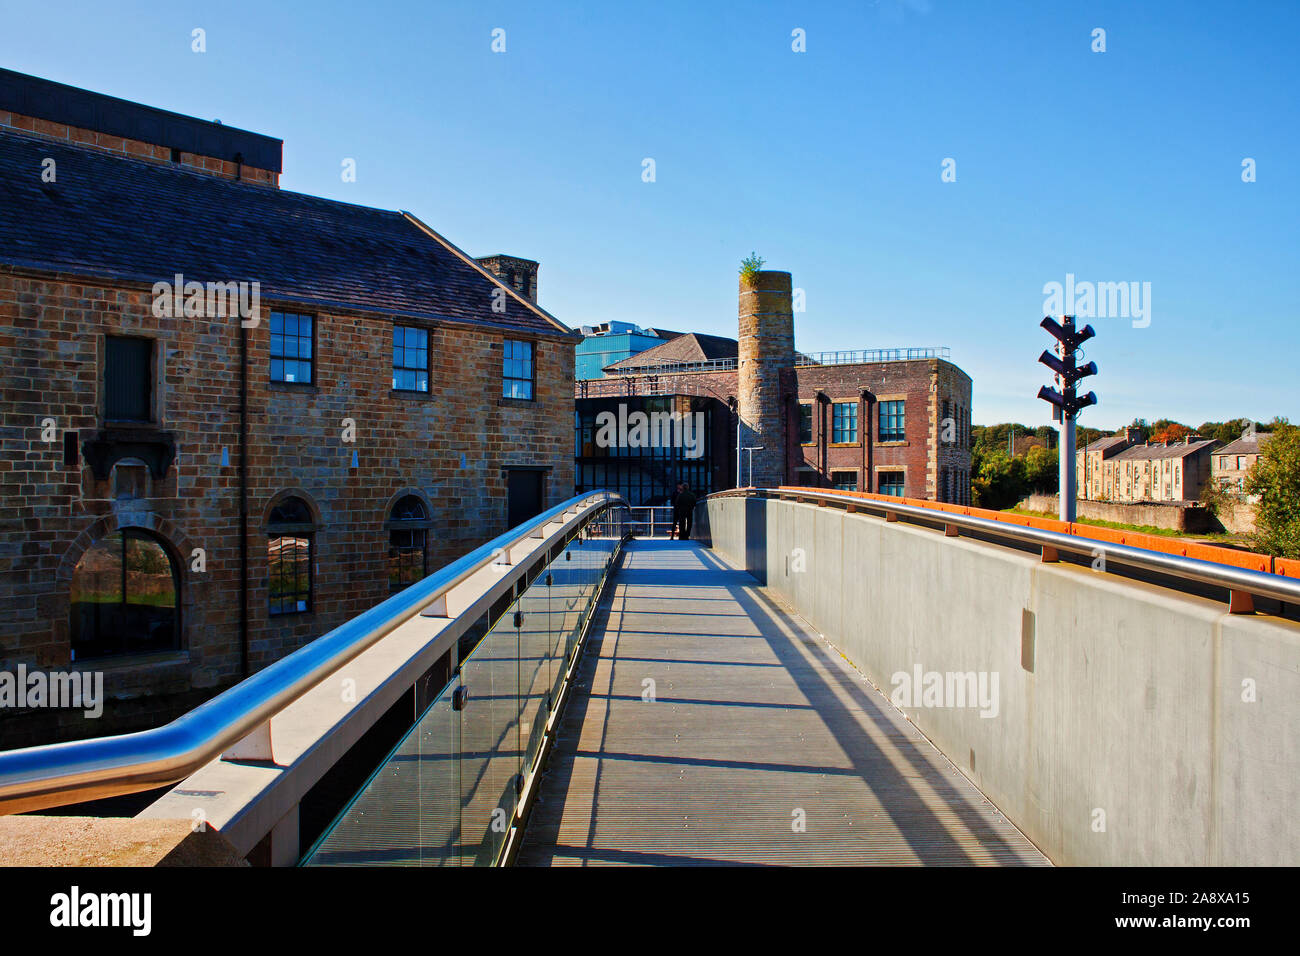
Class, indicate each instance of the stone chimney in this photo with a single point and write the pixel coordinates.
(766, 353)
(519, 274)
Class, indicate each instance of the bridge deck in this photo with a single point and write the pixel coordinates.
(756, 725)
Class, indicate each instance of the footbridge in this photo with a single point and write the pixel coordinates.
(821, 678)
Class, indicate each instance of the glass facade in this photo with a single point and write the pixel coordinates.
(643, 464)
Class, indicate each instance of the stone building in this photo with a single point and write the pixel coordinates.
(1093, 480)
(234, 416)
(891, 421)
(1159, 471)
(1232, 462)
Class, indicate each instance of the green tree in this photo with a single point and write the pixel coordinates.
(1276, 480)
(1042, 471)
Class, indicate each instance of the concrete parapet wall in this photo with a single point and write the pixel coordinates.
(1135, 725)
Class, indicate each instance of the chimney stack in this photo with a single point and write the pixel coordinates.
(519, 274)
(766, 353)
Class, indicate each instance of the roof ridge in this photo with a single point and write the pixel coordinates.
(470, 260)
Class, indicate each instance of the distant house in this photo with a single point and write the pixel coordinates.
(1234, 460)
(1174, 471)
(1094, 480)
(694, 350)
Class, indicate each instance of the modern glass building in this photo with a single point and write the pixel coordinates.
(631, 462)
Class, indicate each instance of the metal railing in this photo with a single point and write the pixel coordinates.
(34, 778)
(657, 520)
(1237, 580)
(867, 356)
(456, 789)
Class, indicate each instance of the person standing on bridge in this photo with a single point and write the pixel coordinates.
(683, 511)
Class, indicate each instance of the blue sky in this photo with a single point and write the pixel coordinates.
(1115, 166)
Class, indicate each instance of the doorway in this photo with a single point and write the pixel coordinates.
(523, 495)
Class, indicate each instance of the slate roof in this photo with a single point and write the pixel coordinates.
(1110, 441)
(122, 218)
(684, 349)
(71, 106)
(1246, 446)
(1176, 450)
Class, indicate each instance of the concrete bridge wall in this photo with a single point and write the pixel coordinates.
(1124, 734)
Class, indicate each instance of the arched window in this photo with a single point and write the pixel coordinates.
(124, 595)
(290, 529)
(408, 538)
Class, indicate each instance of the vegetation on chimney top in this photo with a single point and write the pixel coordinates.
(750, 265)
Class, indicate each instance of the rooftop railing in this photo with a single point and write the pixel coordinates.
(868, 356)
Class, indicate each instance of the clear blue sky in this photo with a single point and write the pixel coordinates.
(1115, 166)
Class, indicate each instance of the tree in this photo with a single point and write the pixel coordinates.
(1276, 480)
(1167, 431)
(1042, 472)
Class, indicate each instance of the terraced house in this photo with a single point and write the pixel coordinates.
(192, 490)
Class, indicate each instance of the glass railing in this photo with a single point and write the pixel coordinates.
(449, 792)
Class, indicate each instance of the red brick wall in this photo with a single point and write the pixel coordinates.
(136, 149)
(923, 385)
(52, 333)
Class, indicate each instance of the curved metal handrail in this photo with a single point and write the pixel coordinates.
(56, 774)
(1234, 578)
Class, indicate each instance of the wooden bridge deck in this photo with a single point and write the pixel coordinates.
(712, 726)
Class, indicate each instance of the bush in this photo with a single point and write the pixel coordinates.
(750, 265)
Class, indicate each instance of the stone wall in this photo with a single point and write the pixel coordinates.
(448, 447)
(1174, 516)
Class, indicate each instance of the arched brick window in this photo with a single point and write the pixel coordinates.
(408, 539)
(125, 597)
(290, 531)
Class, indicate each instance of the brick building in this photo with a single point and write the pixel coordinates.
(891, 421)
(329, 403)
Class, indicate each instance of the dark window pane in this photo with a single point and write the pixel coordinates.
(128, 379)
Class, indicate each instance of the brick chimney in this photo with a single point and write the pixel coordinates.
(766, 353)
(519, 274)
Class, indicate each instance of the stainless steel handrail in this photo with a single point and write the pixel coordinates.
(56, 774)
(1260, 583)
